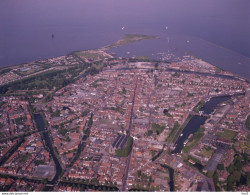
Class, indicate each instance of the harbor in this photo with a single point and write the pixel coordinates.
(197, 121)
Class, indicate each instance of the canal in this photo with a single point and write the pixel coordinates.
(41, 126)
(195, 123)
(209, 106)
(203, 74)
(171, 177)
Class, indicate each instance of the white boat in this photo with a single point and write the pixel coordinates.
(190, 135)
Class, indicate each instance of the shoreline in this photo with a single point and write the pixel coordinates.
(102, 48)
(125, 40)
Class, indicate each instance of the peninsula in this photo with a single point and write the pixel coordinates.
(89, 121)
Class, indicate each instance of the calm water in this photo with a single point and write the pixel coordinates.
(41, 126)
(217, 31)
(209, 106)
(171, 177)
(193, 126)
(195, 123)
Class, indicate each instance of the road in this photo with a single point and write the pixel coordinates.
(125, 174)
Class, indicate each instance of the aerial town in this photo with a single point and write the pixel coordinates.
(89, 121)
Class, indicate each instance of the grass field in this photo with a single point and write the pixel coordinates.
(206, 152)
(199, 105)
(24, 157)
(173, 131)
(227, 134)
(92, 55)
(129, 38)
(193, 140)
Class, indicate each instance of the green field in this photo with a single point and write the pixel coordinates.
(199, 105)
(124, 152)
(50, 80)
(93, 55)
(193, 140)
(24, 157)
(129, 38)
(157, 128)
(227, 134)
(207, 152)
(173, 131)
(100, 54)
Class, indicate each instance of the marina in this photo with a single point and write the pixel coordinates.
(196, 122)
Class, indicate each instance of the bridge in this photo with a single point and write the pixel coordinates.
(200, 113)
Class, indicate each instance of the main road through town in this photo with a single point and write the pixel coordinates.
(125, 175)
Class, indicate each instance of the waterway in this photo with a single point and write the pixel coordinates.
(41, 126)
(4, 158)
(209, 106)
(203, 74)
(195, 123)
(216, 31)
(171, 177)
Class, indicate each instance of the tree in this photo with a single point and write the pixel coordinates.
(50, 110)
(238, 164)
(139, 173)
(84, 113)
(124, 91)
(125, 151)
(236, 176)
(95, 181)
(165, 111)
(220, 166)
(230, 182)
(230, 168)
(216, 181)
(158, 128)
(48, 98)
(149, 132)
